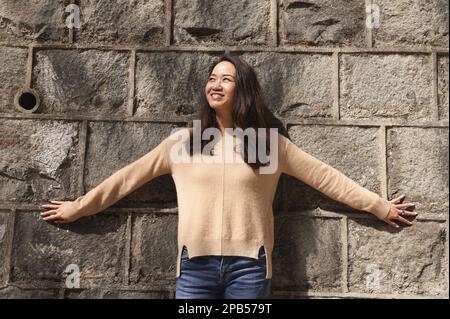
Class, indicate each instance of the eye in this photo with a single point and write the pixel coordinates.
(210, 79)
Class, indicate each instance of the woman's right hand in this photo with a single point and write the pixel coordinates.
(59, 212)
(398, 212)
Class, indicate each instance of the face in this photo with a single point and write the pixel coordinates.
(221, 85)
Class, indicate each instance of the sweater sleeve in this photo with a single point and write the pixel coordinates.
(122, 182)
(330, 181)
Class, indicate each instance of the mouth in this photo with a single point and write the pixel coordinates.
(216, 95)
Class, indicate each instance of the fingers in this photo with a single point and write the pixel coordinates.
(390, 222)
(400, 212)
(398, 199)
(48, 213)
(408, 213)
(403, 220)
(50, 206)
(56, 205)
(55, 214)
(404, 206)
(56, 219)
(50, 217)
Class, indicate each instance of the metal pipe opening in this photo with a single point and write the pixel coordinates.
(27, 100)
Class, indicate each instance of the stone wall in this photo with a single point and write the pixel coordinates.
(367, 96)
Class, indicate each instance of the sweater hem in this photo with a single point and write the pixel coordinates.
(226, 247)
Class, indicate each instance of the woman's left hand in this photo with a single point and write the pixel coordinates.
(398, 212)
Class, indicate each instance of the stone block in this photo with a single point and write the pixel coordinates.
(38, 160)
(410, 261)
(407, 23)
(295, 85)
(322, 22)
(385, 86)
(12, 76)
(307, 254)
(417, 163)
(153, 250)
(87, 82)
(123, 21)
(36, 21)
(234, 22)
(44, 253)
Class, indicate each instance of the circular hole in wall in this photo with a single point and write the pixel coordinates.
(27, 100)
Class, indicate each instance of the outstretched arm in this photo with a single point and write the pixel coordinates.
(336, 185)
(112, 189)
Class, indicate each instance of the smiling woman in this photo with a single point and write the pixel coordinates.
(233, 98)
(226, 222)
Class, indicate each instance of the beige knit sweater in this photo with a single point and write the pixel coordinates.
(226, 208)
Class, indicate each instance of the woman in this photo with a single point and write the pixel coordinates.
(225, 225)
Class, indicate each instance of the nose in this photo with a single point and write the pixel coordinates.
(217, 85)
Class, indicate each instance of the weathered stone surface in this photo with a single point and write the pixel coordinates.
(5, 227)
(39, 157)
(42, 251)
(169, 84)
(412, 23)
(42, 21)
(409, 261)
(385, 86)
(295, 85)
(354, 151)
(322, 22)
(234, 22)
(302, 295)
(130, 294)
(153, 250)
(114, 145)
(38, 160)
(417, 162)
(443, 86)
(12, 292)
(12, 76)
(115, 294)
(307, 254)
(78, 293)
(123, 21)
(82, 81)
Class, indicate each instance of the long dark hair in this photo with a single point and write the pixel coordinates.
(249, 110)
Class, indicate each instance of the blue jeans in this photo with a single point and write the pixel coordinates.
(223, 277)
